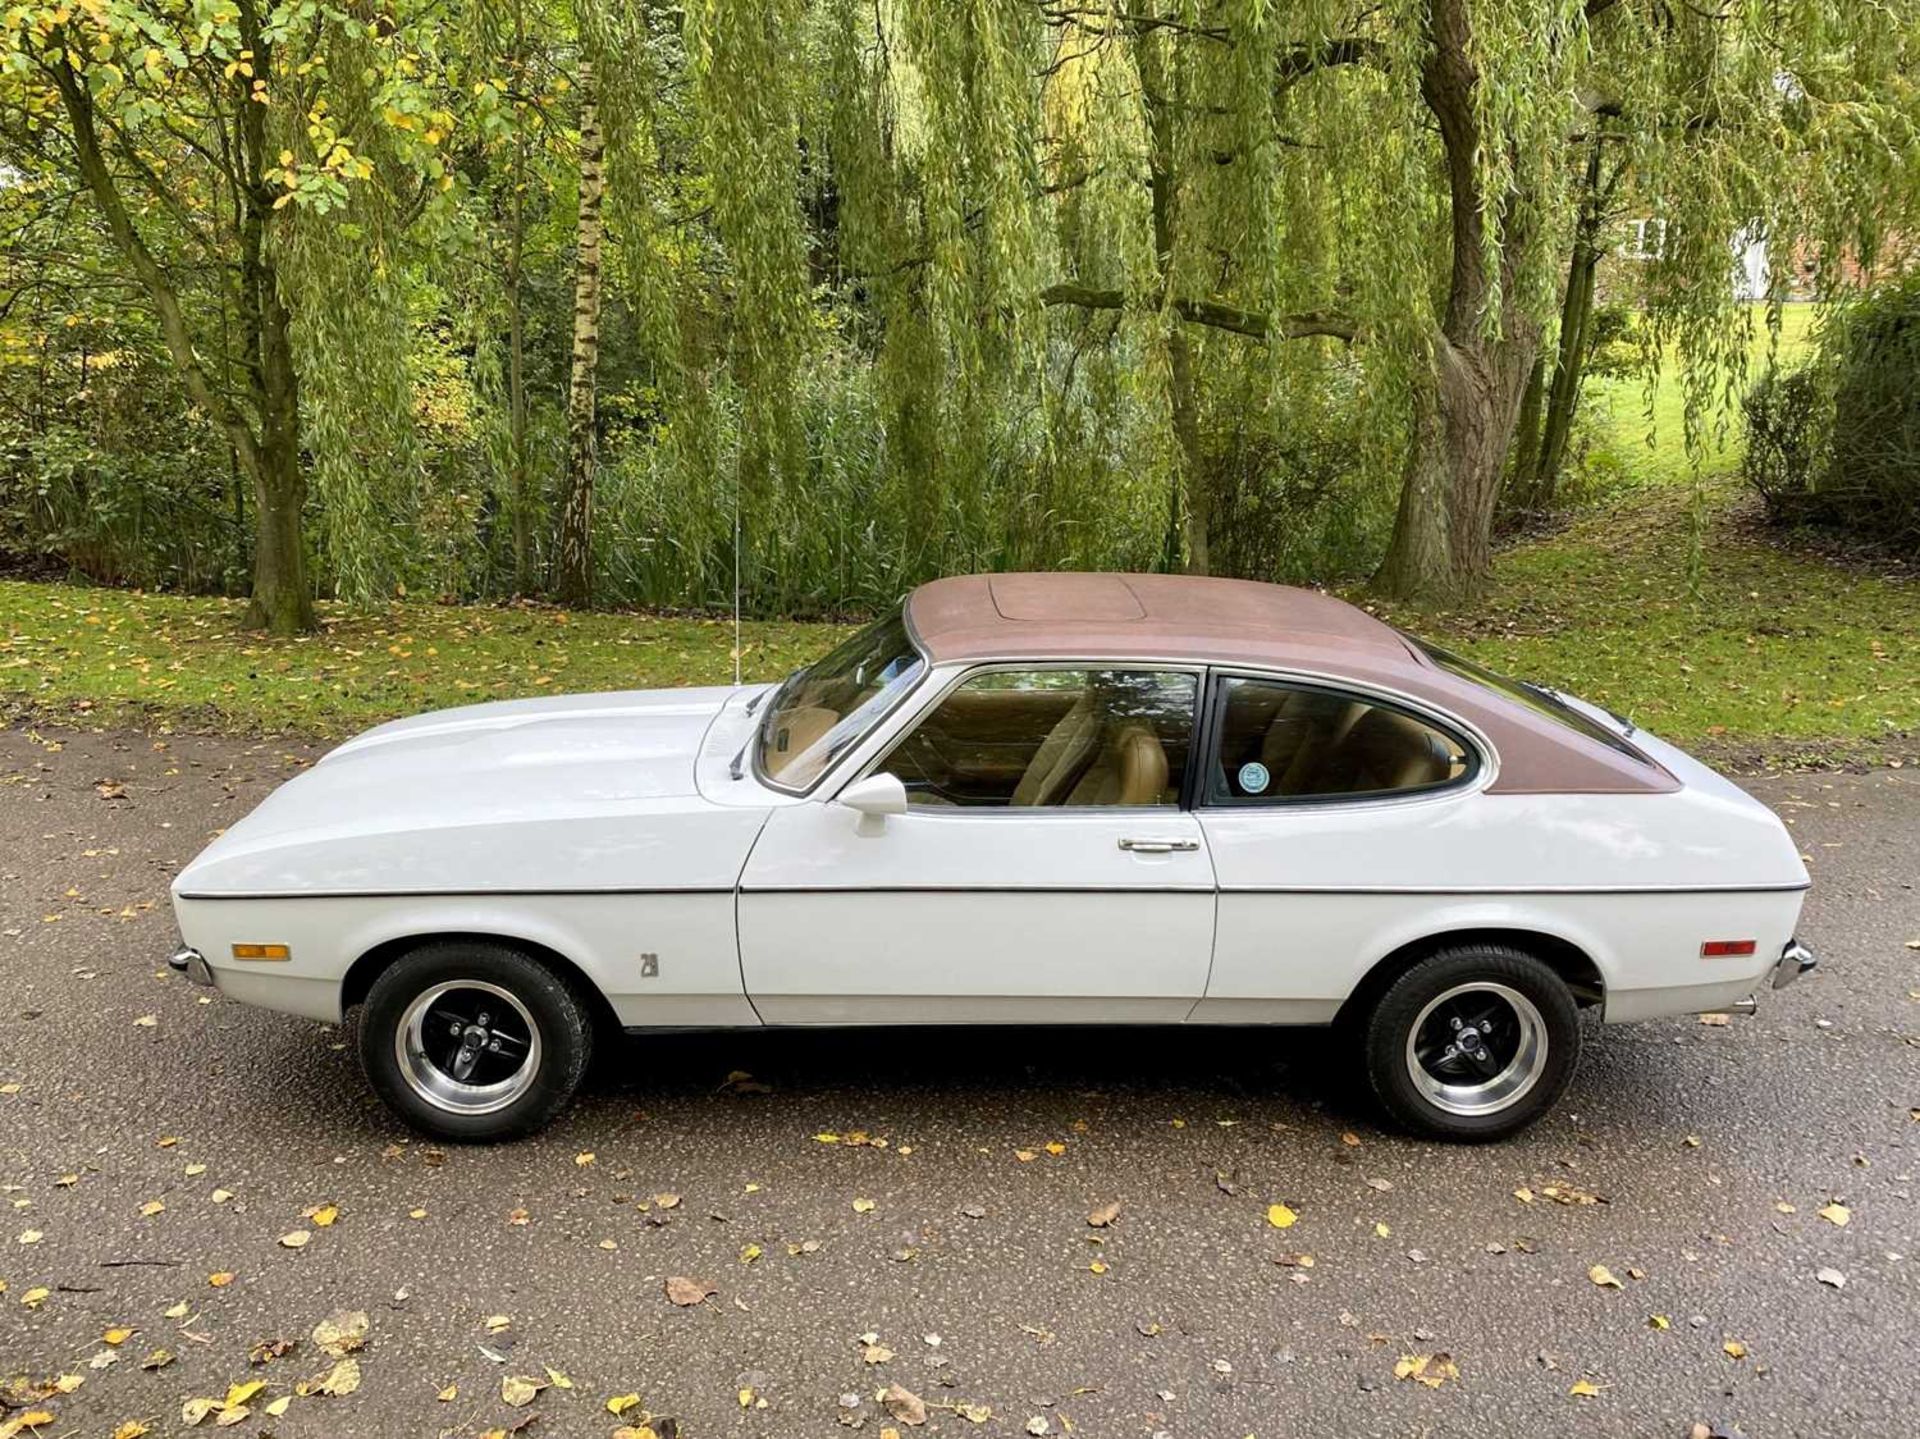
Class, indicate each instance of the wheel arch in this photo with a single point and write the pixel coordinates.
(361, 974)
(1574, 965)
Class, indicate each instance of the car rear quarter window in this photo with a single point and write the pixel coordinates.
(1278, 742)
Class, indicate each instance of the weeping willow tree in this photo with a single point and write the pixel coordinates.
(1292, 190)
(249, 164)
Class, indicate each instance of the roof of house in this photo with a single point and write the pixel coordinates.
(1106, 616)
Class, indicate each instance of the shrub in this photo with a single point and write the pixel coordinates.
(1872, 478)
(1837, 443)
(1786, 416)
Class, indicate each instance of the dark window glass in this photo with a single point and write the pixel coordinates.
(1052, 737)
(1537, 698)
(1280, 742)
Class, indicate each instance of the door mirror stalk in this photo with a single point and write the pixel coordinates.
(873, 799)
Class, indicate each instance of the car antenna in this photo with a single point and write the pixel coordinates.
(736, 575)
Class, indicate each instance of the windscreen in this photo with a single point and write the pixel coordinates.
(823, 710)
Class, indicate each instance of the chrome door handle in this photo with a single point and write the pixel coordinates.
(1159, 846)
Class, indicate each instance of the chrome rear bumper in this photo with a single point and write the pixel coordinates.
(1795, 960)
(189, 961)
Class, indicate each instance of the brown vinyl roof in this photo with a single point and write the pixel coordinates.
(1187, 618)
(1098, 616)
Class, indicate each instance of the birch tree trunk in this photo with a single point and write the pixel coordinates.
(519, 477)
(574, 580)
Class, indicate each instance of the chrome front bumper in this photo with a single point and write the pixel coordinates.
(1795, 960)
(192, 963)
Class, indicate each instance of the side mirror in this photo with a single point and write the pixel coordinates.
(873, 799)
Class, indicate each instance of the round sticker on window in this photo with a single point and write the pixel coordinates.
(1254, 778)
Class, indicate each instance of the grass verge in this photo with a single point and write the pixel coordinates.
(1677, 610)
(1667, 605)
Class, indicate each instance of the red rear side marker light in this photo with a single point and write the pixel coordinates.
(1723, 948)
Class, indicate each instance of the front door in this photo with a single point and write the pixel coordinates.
(1045, 871)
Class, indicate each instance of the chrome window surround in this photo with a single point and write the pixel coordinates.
(1478, 751)
(870, 754)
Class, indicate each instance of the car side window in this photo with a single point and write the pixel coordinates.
(1278, 742)
(1042, 738)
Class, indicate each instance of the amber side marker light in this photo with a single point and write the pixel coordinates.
(1725, 948)
(262, 951)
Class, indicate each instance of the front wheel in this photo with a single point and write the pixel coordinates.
(1472, 1043)
(474, 1042)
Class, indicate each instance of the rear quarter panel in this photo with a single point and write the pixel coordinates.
(1312, 897)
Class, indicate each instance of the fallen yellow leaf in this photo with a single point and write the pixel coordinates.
(1584, 1389)
(518, 1392)
(1603, 1276)
(1836, 1214)
(1280, 1217)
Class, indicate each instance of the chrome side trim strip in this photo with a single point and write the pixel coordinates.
(1519, 889)
(1016, 889)
(454, 893)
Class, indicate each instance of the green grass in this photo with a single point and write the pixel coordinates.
(1638, 429)
(1755, 651)
(114, 656)
(1752, 651)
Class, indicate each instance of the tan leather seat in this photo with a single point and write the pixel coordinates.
(1327, 731)
(1063, 757)
(1388, 751)
(1131, 769)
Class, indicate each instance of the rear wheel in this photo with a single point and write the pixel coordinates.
(474, 1041)
(1472, 1043)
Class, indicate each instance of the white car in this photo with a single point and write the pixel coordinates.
(1022, 799)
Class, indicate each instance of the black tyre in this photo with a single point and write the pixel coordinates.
(474, 1042)
(1471, 1044)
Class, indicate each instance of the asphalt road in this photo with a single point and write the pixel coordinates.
(123, 1088)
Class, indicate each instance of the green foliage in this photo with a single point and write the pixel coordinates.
(1788, 414)
(1752, 652)
(1872, 483)
(1836, 441)
(1775, 656)
(893, 289)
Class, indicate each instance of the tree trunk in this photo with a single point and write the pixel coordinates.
(282, 603)
(1524, 462)
(1442, 546)
(282, 598)
(1570, 361)
(1464, 410)
(1569, 369)
(519, 477)
(268, 447)
(574, 582)
(1191, 499)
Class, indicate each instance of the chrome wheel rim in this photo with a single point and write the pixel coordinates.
(1477, 1048)
(468, 1047)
